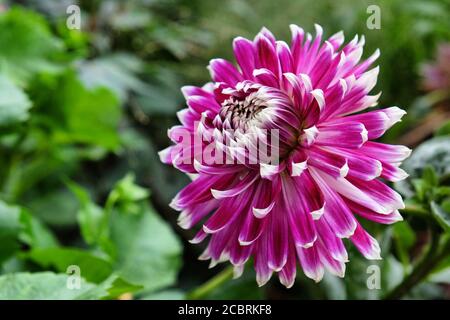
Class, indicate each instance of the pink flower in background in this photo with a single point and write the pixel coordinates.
(297, 201)
(437, 75)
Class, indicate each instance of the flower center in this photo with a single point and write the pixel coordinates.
(243, 112)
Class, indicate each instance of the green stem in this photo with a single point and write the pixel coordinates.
(216, 281)
(430, 260)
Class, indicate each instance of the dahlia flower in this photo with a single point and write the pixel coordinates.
(297, 200)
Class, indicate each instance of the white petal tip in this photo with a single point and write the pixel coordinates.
(317, 214)
(343, 171)
(287, 283)
(298, 168)
(261, 213)
(364, 135)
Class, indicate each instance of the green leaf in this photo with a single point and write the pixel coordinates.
(10, 228)
(28, 46)
(430, 177)
(127, 195)
(54, 207)
(89, 116)
(90, 216)
(52, 286)
(441, 216)
(93, 268)
(116, 72)
(35, 233)
(435, 153)
(128, 191)
(148, 252)
(43, 286)
(166, 295)
(14, 103)
(118, 286)
(405, 239)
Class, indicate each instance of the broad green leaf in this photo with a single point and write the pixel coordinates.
(441, 216)
(54, 207)
(43, 286)
(118, 286)
(167, 295)
(10, 228)
(434, 152)
(93, 268)
(116, 72)
(34, 233)
(27, 44)
(14, 103)
(148, 252)
(89, 116)
(52, 286)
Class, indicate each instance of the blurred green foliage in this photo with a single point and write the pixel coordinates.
(84, 112)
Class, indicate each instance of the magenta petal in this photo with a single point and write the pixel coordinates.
(372, 215)
(299, 213)
(310, 262)
(359, 166)
(393, 173)
(267, 57)
(385, 152)
(263, 272)
(336, 212)
(244, 52)
(189, 91)
(381, 193)
(265, 77)
(334, 266)
(349, 135)
(329, 163)
(253, 226)
(229, 210)
(367, 197)
(334, 244)
(198, 191)
(239, 255)
(366, 244)
(285, 57)
(200, 104)
(224, 71)
(278, 241)
(289, 271)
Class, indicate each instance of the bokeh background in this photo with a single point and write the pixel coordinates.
(84, 112)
